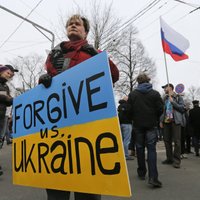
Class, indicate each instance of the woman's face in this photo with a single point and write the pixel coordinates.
(76, 30)
(7, 74)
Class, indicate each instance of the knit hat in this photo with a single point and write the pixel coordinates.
(3, 68)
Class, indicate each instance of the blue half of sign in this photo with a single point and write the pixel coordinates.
(79, 95)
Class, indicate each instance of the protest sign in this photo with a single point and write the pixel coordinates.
(67, 137)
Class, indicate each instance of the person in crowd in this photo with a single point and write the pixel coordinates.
(189, 135)
(6, 134)
(12, 69)
(194, 121)
(132, 147)
(5, 101)
(125, 124)
(1, 172)
(64, 56)
(184, 134)
(160, 132)
(146, 108)
(171, 121)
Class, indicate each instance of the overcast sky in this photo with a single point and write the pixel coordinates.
(28, 40)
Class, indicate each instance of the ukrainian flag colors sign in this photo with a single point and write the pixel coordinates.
(67, 137)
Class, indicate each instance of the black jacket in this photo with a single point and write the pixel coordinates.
(194, 120)
(5, 100)
(124, 112)
(146, 106)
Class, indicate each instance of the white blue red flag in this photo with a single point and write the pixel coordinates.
(173, 43)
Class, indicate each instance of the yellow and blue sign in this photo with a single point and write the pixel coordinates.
(67, 137)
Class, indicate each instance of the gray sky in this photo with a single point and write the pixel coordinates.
(48, 13)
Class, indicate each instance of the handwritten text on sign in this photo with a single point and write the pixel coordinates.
(67, 137)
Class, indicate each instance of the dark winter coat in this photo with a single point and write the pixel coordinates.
(5, 100)
(124, 110)
(194, 120)
(146, 106)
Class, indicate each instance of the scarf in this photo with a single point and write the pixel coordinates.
(70, 49)
(72, 46)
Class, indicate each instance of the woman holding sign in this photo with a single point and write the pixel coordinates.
(66, 55)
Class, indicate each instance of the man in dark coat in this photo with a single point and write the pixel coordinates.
(125, 124)
(146, 108)
(194, 122)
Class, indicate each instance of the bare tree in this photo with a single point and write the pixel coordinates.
(193, 93)
(30, 68)
(126, 51)
(104, 25)
(131, 60)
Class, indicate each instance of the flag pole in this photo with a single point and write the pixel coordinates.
(166, 69)
(163, 45)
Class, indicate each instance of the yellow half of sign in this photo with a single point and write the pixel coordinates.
(83, 158)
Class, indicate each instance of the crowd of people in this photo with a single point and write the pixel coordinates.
(153, 119)
(144, 116)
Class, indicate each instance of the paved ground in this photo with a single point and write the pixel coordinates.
(178, 184)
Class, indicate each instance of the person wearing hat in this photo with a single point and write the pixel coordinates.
(194, 117)
(5, 100)
(8, 135)
(168, 85)
(12, 69)
(171, 121)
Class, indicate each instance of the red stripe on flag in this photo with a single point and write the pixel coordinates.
(176, 57)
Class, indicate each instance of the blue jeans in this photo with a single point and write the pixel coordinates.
(126, 130)
(146, 137)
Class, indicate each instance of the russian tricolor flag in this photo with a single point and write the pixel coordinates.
(173, 43)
